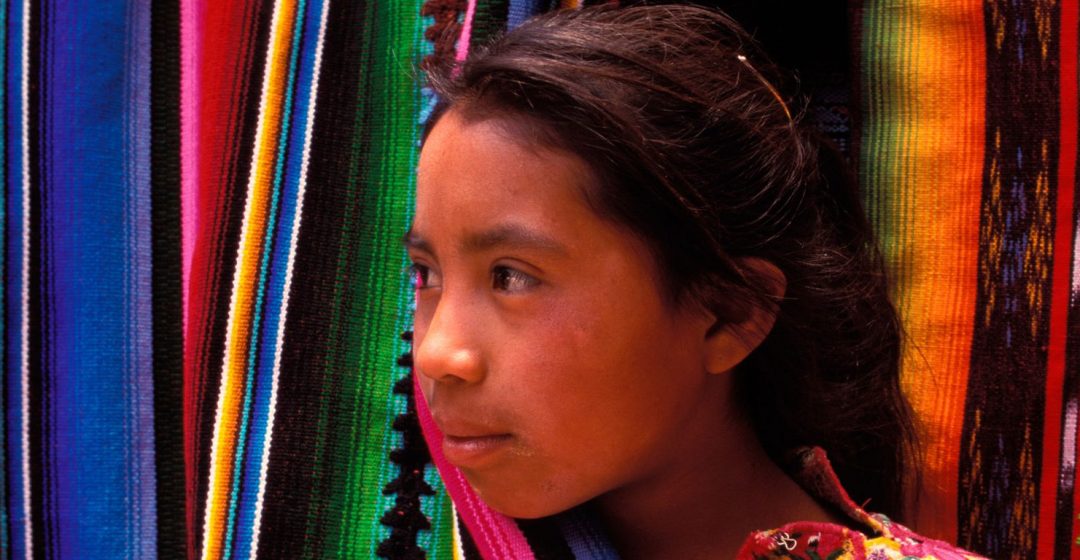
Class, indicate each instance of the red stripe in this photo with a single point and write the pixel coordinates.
(1059, 298)
(229, 32)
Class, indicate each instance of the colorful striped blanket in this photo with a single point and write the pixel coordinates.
(204, 294)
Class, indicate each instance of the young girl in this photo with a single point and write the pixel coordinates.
(646, 293)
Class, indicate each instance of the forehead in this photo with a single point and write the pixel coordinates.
(475, 172)
(509, 138)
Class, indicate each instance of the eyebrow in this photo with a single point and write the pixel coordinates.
(504, 235)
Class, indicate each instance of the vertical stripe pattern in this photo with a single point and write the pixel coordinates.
(79, 389)
(968, 164)
(1062, 390)
(243, 429)
(920, 163)
(1003, 419)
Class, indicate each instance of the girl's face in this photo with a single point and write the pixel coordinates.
(549, 358)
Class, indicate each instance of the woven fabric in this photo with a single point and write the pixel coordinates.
(204, 291)
(79, 473)
(968, 161)
(307, 129)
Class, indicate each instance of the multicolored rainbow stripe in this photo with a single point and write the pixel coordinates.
(310, 124)
(968, 161)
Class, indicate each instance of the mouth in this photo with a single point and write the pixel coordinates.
(474, 451)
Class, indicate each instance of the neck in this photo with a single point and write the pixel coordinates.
(717, 487)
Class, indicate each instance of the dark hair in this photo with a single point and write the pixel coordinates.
(694, 150)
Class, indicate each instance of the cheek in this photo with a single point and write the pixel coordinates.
(602, 380)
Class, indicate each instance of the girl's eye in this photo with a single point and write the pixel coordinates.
(506, 279)
(422, 277)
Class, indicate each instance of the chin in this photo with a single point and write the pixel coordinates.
(540, 501)
(523, 509)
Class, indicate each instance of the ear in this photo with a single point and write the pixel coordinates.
(729, 343)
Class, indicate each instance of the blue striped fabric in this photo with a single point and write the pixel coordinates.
(80, 231)
(521, 10)
(16, 275)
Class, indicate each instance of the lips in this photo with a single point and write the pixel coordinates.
(474, 451)
(469, 445)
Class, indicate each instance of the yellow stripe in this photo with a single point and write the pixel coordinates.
(459, 549)
(246, 276)
(941, 289)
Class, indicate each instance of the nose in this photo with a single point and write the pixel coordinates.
(443, 349)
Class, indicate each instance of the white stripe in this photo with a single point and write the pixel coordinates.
(1076, 263)
(1068, 454)
(25, 296)
(301, 188)
(245, 232)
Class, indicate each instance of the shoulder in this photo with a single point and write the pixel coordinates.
(879, 538)
(828, 540)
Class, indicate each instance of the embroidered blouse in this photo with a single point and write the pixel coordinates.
(883, 540)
